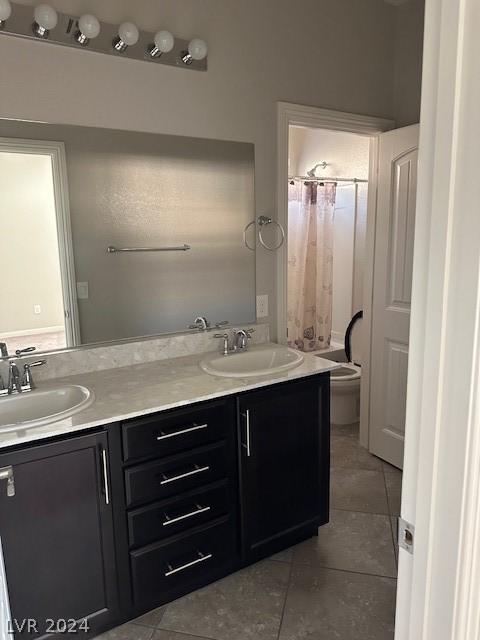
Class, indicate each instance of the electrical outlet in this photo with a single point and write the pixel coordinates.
(82, 290)
(37, 309)
(262, 306)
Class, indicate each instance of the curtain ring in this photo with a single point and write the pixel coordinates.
(245, 235)
(264, 221)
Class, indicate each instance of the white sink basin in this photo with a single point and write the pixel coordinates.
(257, 361)
(42, 406)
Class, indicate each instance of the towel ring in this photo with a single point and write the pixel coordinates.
(264, 221)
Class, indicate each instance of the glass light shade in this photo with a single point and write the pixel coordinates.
(164, 41)
(46, 16)
(5, 10)
(89, 25)
(128, 33)
(198, 49)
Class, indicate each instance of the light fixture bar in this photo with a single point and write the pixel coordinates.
(66, 33)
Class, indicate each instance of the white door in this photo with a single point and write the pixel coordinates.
(392, 288)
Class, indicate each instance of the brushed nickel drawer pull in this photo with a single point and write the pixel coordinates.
(247, 432)
(202, 557)
(197, 511)
(182, 431)
(6, 473)
(105, 476)
(197, 469)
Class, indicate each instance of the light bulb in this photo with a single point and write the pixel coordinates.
(127, 36)
(5, 11)
(163, 42)
(197, 50)
(46, 18)
(88, 27)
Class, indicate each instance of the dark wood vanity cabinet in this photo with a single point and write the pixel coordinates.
(108, 525)
(284, 464)
(56, 529)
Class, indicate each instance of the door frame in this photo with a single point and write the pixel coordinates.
(439, 585)
(317, 118)
(56, 152)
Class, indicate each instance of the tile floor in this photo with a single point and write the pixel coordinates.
(339, 586)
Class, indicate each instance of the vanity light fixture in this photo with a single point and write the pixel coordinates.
(87, 33)
(163, 42)
(5, 12)
(197, 50)
(46, 18)
(128, 35)
(88, 28)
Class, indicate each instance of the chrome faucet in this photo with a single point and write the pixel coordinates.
(14, 384)
(200, 323)
(241, 338)
(17, 383)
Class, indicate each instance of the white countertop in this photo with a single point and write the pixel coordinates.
(129, 392)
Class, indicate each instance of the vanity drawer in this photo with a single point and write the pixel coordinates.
(164, 478)
(168, 433)
(159, 570)
(168, 518)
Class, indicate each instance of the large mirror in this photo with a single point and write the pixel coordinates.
(108, 235)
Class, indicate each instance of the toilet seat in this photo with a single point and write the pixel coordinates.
(348, 372)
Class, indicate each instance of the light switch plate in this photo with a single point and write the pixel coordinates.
(262, 306)
(82, 290)
(37, 309)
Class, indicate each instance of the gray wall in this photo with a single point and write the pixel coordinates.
(407, 71)
(338, 55)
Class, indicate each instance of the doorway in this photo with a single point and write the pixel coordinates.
(38, 305)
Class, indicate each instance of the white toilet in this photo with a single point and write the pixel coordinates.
(345, 384)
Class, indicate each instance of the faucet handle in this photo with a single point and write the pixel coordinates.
(27, 376)
(20, 352)
(225, 338)
(37, 363)
(3, 350)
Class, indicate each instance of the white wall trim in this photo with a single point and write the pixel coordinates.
(33, 332)
(300, 115)
(439, 586)
(56, 151)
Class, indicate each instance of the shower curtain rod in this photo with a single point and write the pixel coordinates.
(329, 179)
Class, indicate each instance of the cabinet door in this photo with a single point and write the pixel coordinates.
(284, 453)
(57, 535)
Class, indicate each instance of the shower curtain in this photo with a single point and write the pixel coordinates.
(310, 258)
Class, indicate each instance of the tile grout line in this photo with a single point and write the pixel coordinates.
(286, 597)
(390, 516)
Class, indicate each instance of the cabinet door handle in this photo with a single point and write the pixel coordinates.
(197, 511)
(247, 432)
(197, 469)
(202, 557)
(6, 473)
(195, 427)
(105, 476)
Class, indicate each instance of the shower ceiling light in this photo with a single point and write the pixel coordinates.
(88, 28)
(163, 42)
(127, 36)
(197, 50)
(5, 12)
(46, 18)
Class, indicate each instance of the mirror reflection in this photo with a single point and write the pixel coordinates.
(117, 234)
